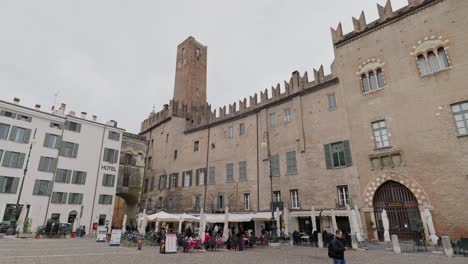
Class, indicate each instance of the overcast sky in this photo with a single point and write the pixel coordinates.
(116, 59)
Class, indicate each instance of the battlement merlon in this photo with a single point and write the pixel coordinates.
(386, 16)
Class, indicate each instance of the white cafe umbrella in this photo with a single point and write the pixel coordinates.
(226, 224)
(75, 224)
(312, 217)
(22, 217)
(124, 224)
(358, 217)
(201, 230)
(356, 226)
(286, 221)
(157, 227)
(143, 223)
(180, 224)
(430, 226)
(386, 226)
(278, 226)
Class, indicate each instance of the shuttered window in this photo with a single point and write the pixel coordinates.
(52, 141)
(8, 114)
(42, 187)
(8, 184)
(174, 180)
(243, 170)
(13, 159)
(114, 136)
(69, 149)
(105, 199)
(460, 113)
(152, 183)
(59, 197)
(162, 182)
(56, 125)
(200, 176)
(275, 165)
(4, 129)
(63, 176)
(291, 162)
(338, 155)
(75, 198)
(47, 164)
(108, 180)
(187, 179)
(212, 175)
(110, 155)
(19, 134)
(73, 126)
(79, 177)
(230, 172)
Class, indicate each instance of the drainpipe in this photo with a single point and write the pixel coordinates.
(206, 170)
(258, 170)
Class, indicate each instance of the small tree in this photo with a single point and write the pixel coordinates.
(420, 227)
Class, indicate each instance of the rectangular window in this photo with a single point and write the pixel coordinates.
(187, 178)
(275, 165)
(73, 126)
(150, 162)
(174, 180)
(196, 145)
(160, 203)
(212, 175)
(42, 187)
(75, 198)
(126, 179)
(291, 163)
(151, 187)
(108, 180)
(197, 202)
(56, 125)
(1, 154)
(105, 199)
(276, 196)
(162, 182)
(220, 201)
(52, 141)
(114, 135)
(63, 176)
(243, 171)
(331, 101)
(167, 137)
(170, 204)
(79, 177)
(24, 118)
(241, 129)
(246, 201)
(145, 187)
(343, 196)
(59, 197)
(272, 119)
(20, 135)
(295, 199)
(230, 132)
(47, 164)
(380, 134)
(13, 159)
(230, 172)
(338, 155)
(110, 155)
(102, 220)
(175, 154)
(69, 149)
(287, 115)
(4, 129)
(200, 174)
(8, 184)
(7, 114)
(460, 113)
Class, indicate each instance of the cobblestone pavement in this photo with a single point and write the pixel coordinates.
(87, 251)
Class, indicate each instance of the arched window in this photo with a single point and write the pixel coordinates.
(423, 67)
(432, 60)
(365, 83)
(372, 81)
(380, 78)
(443, 60)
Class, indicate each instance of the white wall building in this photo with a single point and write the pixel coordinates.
(72, 168)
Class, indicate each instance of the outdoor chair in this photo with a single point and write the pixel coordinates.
(420, 245)
(463, 243)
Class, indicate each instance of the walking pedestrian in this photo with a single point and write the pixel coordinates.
(337, 248)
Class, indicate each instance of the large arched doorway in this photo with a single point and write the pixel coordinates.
(402, 210)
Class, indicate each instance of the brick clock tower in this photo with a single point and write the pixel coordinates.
(190, 77)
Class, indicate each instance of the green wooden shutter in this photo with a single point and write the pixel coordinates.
(328, 156)
(176, 180)
(106, 151)
(80, 198)
(14, 186)
(78, 128)
(13, 133)
(1, 154)
(64, 198)
(49, 188)
(190, 177)
(6, 159)
(347, 151)
(75, 150)
(83, 179)
(21, 160)
(37, 183)
(113, 180)
(27, 135)
(116, 156)
(2, 181)
(68, 177)
(58, 143)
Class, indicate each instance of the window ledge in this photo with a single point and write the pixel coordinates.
(374, 91)
(337, 168)
(436, 72)
(331, 108)
(462, 136)
(291, 174)
(382, 148)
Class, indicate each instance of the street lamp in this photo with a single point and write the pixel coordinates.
(15, 210)
(274, 237)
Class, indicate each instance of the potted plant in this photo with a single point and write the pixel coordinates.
(67, 233)
(372, 225)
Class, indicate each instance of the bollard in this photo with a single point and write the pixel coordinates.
(140, 244)
(320, 240)
(354, 243)
(396, 244)
(447, 246)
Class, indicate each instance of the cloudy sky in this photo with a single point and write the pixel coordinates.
(116, 58)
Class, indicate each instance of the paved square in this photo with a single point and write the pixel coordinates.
(87, 251)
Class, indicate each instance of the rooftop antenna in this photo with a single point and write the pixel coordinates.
(55, 99)
(153, 110)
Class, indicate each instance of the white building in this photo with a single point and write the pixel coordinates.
(72, 168)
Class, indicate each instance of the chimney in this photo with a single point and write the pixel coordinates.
(112, 123)
(94, 118)
(37, 106)
(166, 107)
(16, 100)
(83, 115)
(71, 113)
(62, 108)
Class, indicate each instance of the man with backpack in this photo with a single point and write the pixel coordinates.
(336, 248)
